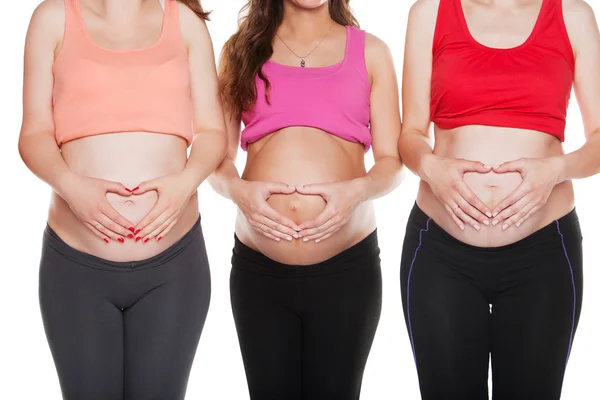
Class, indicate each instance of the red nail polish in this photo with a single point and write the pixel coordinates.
(146, 240)
(158, 238)
(132, 229)
(135, 188)
(129, 190)
(130, 236)
(106, 240)
(121, 240)
(137, 231)
(137, 239)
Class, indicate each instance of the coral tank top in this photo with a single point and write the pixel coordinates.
(335, 99)
(99, 90)
(525, 87)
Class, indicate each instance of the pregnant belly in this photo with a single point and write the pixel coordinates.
(129, 158)
(313, 157)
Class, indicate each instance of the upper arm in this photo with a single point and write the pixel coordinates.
(416, 80)
(385, 107)
(585, 39)
(44, 35)
(207, 110)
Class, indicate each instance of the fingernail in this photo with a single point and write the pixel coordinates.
(462, 227)
(146, 240)
(106, 240)
(289, 238)
(300, 187)
(486, 222)
(137, 239)
(517, 224)
(129, 190)
(305, 240)
(158, 238)
(296, 236)
(137, 231)
(494, 214)
(135, 188)
(317, 241)
(121, 240)
(487, 166)
(277, 239)
(489, 214)
(476, 227)
(504, 226)
(495, 222)
(292, 187)
(130, 236)
(132, 229)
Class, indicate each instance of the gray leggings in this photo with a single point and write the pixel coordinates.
(124, 330)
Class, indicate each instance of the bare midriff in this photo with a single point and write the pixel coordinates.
(301, 156)
(129, 158)
(493, 146)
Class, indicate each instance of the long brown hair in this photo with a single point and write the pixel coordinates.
(195, 6)
(251, 46)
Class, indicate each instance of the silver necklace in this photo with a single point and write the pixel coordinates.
(303, 59)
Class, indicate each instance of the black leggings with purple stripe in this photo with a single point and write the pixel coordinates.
(520, 303)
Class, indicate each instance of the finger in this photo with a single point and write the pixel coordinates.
(482, 210)
(325, 215)
(116, 187)
(510, 211)
(262, 225)
(281, 188)
(319, 230)
(158, 231)
(107, 232)
(454, 217)
(511, 166)
(316, 190)
(327, 236)
(462, 215)
(115, 216)
(277, 229)
(146, 186)
(472, 212)
(152, 215)
(529, 214)
(97, 232)
(266, 234)
(524, 207)
(114, 227)
(146, 233)
(516, 195)
(270, 213)
(167, 230)
(319, 237)
(475, 166)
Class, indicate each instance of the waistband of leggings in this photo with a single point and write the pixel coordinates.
(52, 240)
(248, 259)
(547, 232)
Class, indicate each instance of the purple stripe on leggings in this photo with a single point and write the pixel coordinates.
(412, 342)
(562, 238)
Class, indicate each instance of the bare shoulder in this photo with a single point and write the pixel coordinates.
(424, 12)
(375, 47)
(580, 22)
(49, 16)
(193, 28)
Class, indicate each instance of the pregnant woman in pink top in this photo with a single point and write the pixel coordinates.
(314, 94)
(115, 92)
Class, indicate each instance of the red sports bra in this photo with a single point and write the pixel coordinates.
(525, 87)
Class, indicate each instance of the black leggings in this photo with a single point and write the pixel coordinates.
(124, 330)
(306, 331)
(534, 287)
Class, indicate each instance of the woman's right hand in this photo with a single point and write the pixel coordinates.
(445, 176)
(87, 199)
(251, 198)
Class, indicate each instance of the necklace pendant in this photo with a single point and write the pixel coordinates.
(302, 63)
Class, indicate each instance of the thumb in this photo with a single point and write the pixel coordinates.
(116, 187)
(280, 188)
(146, 186)
(475, 166)
(311, 189)
(511, 166)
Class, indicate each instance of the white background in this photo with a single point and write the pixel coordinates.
(25, 361)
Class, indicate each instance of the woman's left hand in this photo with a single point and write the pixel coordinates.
(540, 175)
(342, 198)
(173, 195)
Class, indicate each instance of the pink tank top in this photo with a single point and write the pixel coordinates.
(335, 99)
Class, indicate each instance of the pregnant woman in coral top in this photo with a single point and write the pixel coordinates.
(492, 259)
(314, 94)
(114, 93)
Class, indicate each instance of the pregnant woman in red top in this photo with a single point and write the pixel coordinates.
(492, 259)
(115, 92)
